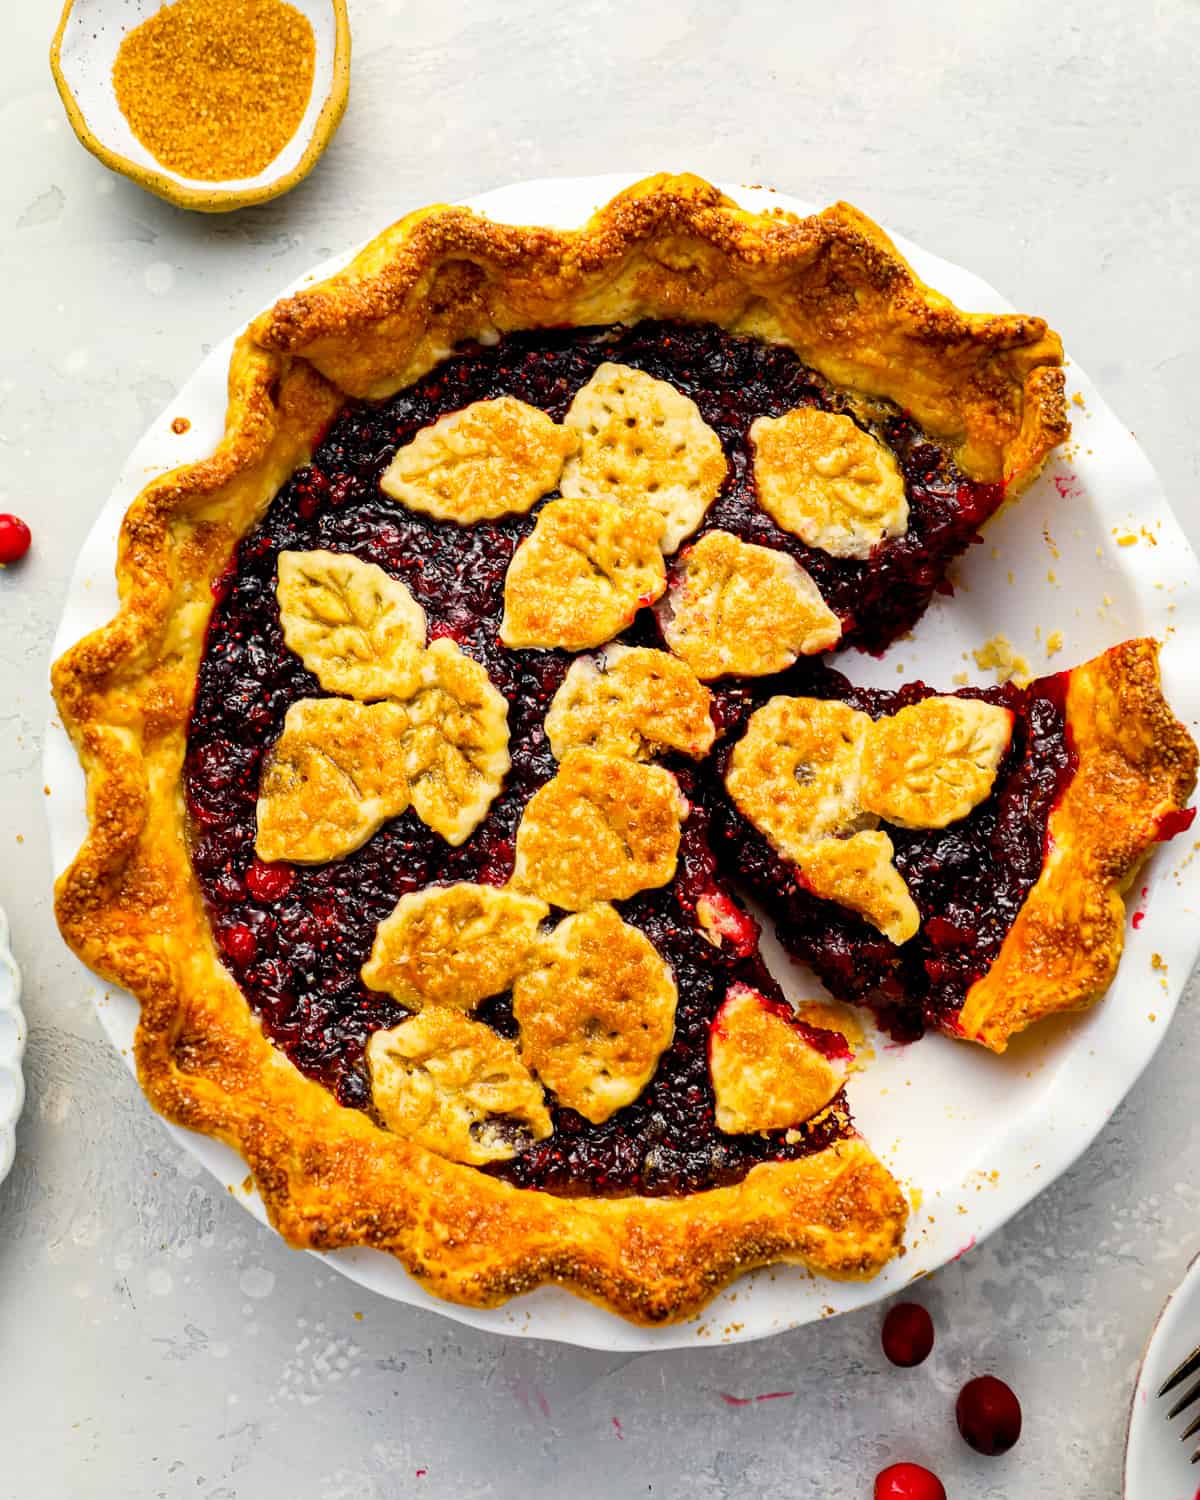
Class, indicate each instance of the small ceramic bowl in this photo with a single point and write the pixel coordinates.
(82, 56)
(12, 1049)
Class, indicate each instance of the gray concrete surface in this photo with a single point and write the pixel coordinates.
(153, 1340)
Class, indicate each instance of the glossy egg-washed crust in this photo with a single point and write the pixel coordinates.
(835, 289)
(1136, 767)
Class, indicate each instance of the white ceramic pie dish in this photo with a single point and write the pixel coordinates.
(12, 1050)
(977, 1136)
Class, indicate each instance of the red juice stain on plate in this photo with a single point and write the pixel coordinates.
(1178, 820)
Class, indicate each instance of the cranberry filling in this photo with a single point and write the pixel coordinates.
(968, 880)
(295, 937)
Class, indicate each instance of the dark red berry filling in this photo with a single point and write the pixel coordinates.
(968, 880)
(295, 937)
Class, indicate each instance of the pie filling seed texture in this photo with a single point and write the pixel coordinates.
(520, 680)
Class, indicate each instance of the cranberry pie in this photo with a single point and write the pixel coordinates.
(453, 696)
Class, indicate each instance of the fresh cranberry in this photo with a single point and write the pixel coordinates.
(14, 539)
(269, 882)
(908, 1482)
(907, 1334)
(239, 944)
(988, 1415)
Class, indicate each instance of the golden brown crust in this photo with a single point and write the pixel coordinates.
(834, 288)
(1136, 766)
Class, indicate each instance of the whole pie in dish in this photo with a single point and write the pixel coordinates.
(451, 698)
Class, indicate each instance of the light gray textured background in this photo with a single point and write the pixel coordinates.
(153, 1340)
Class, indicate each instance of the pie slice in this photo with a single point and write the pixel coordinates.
(512, 607)
(1015, 817)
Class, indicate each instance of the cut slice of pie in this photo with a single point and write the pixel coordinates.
(408, 752)
(1014, 819)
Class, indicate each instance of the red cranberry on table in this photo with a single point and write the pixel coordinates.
(907, 1334)
(908, 1482)
(14, 539)
(989, 1415)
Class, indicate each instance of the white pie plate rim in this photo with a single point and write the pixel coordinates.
(994, 1131)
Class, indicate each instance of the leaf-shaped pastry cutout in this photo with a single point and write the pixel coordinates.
(631, 701)
(824, 479)
(858, 873)
(737, 609)
(644, 443)
(582, 574)
(453, 945)
(795, 773)
(767, 1074)
(333, 777)
(456, 745)
(596, 1007)
(456, 1087)
(931, 763)
(493, 458)
(355, 627)
(603, 829)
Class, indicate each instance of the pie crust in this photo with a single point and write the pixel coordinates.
(1132, 771)
(766, 1073)
(834, 289)
(1136, 771)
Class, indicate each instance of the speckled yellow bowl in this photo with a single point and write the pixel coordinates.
(82, 55)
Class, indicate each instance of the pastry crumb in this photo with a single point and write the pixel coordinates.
(1054, 643)
(999, 656)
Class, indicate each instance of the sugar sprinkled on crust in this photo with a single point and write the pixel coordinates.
(643, 442)
(602, 829)
(333, 777)
(582, 574)
(766, 1074)
(453, 945)
(631, 701)
(356, 628)
(456, 1087)
(824, 479)
(456, 747)
(596, 1007)
(491, 459)
(859, 873)
(931, 763)
(796, 771)
(737, 609)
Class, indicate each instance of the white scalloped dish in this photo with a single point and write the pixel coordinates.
(12, 1050)
(977, 1135)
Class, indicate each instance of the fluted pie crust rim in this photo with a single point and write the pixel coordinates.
(834, 288)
